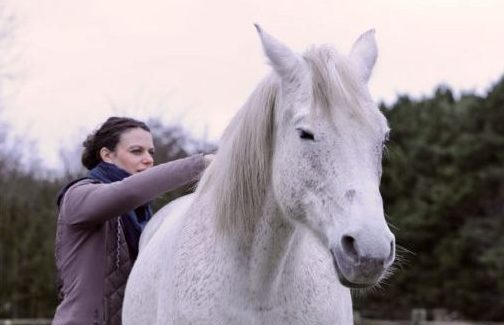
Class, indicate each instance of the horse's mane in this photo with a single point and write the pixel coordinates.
(241, 171)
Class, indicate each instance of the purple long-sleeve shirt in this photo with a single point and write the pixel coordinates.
(91, 253)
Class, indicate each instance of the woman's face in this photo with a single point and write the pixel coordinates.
(134, 152)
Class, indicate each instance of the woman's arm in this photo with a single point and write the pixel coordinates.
(90, 203)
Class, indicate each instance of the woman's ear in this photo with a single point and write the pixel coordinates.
(106, 155)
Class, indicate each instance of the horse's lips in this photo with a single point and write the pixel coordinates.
(343, 280)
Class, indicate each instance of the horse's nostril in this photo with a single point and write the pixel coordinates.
(348, 244)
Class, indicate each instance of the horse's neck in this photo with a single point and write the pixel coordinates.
(266, 271)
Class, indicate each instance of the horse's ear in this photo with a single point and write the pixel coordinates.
(364, 53)
(283, 59)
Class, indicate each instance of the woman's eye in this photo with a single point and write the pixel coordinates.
(306, 135)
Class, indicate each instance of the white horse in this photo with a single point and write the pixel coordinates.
(288, 216)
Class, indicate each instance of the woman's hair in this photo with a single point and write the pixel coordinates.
(108, 136)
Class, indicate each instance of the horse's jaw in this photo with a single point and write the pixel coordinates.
(272, 242)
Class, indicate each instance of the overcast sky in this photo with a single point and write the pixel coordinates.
(195, 62)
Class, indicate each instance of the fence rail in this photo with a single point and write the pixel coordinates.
(26, 321)
(409, 322)
(358, 321)
(419, 316)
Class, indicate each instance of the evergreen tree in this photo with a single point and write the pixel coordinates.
(443, 187)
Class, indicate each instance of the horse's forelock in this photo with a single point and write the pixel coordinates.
(337, 85)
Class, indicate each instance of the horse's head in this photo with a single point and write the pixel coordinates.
(326, 169)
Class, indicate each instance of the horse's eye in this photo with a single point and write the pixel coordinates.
(306, 135)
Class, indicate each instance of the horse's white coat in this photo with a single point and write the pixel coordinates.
(288, 215)
(175, 210)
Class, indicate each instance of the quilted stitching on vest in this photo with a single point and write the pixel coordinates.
(118, 268)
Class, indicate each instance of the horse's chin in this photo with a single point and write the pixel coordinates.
(343, 270)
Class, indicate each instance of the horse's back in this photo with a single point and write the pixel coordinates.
(154, 262)
(167, 217)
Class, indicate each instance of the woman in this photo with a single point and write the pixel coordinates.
(101, 218)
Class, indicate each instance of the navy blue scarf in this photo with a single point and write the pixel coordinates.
(133, 221)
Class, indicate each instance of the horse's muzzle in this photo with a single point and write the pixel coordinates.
(358, 270)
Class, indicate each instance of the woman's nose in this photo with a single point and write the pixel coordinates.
(148, 159)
